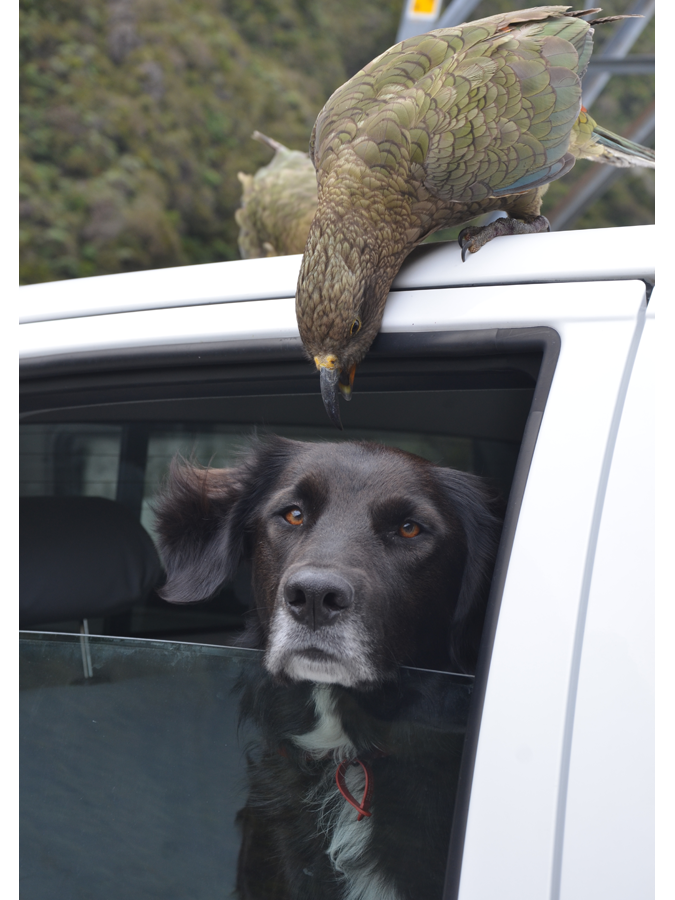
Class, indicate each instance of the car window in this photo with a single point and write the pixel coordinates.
(130, 788)
(113, 434)
(96, 444)
(127, 463)
(78, 460)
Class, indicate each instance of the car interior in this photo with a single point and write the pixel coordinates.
(112, 435)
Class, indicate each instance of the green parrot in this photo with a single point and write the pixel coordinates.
(437, 130)
(278, 204)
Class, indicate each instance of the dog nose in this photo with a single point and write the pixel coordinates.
(316, 597)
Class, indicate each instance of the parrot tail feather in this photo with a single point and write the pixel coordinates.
(578, 13)
(263, 139)
(612, 19)
(619, 151)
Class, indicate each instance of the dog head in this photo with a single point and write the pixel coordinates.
(363, 557)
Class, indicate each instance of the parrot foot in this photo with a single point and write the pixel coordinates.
(471, 239)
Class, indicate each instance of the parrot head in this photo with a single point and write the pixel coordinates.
(339, 303)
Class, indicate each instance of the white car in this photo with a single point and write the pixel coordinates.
(530, 364)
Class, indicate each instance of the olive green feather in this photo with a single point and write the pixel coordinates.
(278, 204)
(438, 129)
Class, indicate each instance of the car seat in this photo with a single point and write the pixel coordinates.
(81, 557)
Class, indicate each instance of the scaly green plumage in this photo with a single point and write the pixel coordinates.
(277, 205)
(437, 130)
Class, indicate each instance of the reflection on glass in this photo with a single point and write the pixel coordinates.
(185, 771)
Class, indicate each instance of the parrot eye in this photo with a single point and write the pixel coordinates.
(294, 516)
(356, 327)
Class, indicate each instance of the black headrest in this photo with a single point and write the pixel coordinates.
(81, 557)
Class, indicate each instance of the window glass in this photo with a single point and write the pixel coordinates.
(127, 462)
(477, 431)
(70, 460)
(135, 781)
(219, 446)
(130, 735)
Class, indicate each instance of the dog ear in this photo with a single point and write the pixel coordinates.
(204, 517)
(480, 511)
(200, 529)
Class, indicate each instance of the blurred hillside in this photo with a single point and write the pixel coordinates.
(136, 116)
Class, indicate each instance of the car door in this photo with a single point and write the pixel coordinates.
(522, 383)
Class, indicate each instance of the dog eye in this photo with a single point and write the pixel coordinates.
(356, 327)
(409, 529)
(294, 516)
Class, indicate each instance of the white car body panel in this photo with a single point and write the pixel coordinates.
(515, 816)
(616, 253)
(609, 836)
(439, 309)
(567, 725)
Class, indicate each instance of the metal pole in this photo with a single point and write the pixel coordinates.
(418, 17)
(635, 64)
(616, 48)
(457, 12)
(86, 652)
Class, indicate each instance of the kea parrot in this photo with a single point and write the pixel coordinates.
(278, 204)
(440, 128)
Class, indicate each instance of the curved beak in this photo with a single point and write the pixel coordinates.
(329, 392)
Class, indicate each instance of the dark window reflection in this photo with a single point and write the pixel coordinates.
(158, 769)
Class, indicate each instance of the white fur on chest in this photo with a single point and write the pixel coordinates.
(348, 839)
(328, 736)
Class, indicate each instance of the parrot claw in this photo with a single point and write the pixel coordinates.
(474, 237)
(469, 240)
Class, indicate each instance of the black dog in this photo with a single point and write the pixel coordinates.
(364, 559)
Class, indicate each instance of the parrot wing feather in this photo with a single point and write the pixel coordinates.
(469, 112)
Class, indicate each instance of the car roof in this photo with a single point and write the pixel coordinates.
(589, 255)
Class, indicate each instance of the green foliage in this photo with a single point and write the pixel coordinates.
(136, 116)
